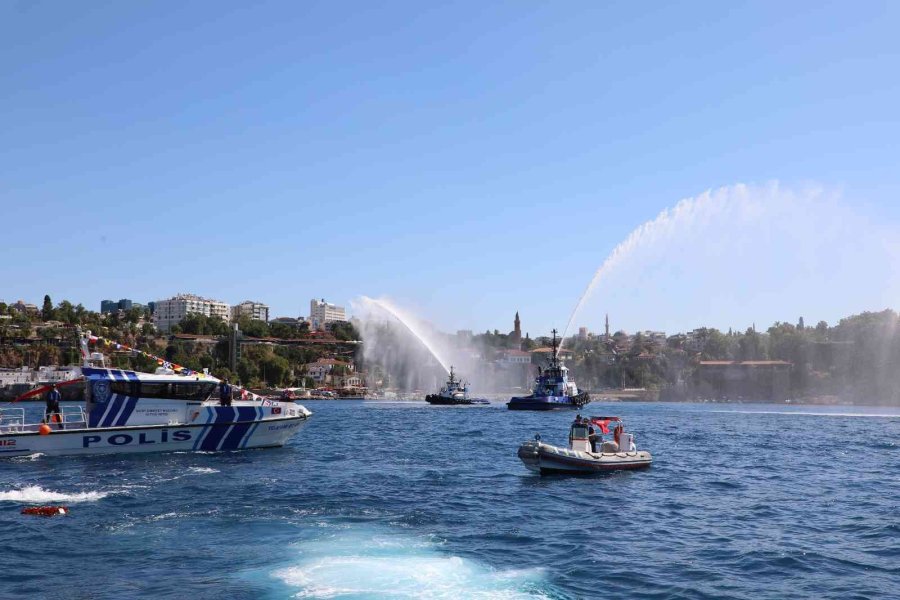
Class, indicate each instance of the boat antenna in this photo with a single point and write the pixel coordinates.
(555, 349)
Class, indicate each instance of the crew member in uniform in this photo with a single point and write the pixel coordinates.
(225, 393)
(52, 414)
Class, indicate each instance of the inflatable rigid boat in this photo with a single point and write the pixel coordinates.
(580, 456)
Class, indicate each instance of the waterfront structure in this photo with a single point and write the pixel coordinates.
(322, 369)
(743, 380)
(170, 312)
(248, 308)
(322, 313)
(515, 357)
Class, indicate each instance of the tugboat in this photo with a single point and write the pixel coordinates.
(454, 392)
(553, 389)
(586, 453)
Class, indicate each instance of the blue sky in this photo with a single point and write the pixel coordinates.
(464, 159)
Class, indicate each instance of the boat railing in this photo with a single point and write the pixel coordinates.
(12, 419)
(74, 415)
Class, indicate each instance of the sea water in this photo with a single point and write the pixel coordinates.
(407, 500)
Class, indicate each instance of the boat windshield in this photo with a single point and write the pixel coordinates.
(579, 431)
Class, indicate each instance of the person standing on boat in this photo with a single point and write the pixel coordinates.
(595, 438)
(225, 393)
(52, 414)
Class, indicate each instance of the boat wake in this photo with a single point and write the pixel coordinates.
(34, 494)
(811, 413)
(363, 564)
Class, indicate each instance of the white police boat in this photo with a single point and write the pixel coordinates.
(585, 455)
(127, 411)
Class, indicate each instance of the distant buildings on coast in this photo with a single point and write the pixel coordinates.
(169, 312)
(322, 313)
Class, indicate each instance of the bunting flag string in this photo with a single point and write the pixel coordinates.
(245, 393)
(159, 361)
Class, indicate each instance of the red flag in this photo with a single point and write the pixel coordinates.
(603, 424)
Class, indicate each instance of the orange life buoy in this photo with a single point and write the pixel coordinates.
(45, 511)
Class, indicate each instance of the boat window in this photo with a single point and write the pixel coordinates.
(579, 432)
(192, 390)
(126, 388)
(154, 390)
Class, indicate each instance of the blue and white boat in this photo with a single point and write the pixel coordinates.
(553, 389)
(127, 411)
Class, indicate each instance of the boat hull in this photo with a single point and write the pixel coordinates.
(548, 402)
(209, 437)
(443, 401)
(547, 459)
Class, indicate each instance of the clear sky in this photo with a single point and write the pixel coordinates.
(466, 159)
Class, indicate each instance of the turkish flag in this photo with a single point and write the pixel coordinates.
(603, 424)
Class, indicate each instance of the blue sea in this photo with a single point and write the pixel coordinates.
(405, 500)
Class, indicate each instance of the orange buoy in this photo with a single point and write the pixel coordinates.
(44, 429)
(45, 511)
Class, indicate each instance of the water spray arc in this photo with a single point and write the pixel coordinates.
(648, 230)
(749, 223)
(410, 325)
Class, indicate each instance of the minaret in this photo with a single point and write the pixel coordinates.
(517, 331)
(607, 327)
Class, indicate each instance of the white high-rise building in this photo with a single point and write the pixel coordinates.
(249, 308)
(322, 313)
(167, 313)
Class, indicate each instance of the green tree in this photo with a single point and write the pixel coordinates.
(253, 327)
(247, 371)
(344, 331)
(47, 309)
(274, 369)
(65, 312)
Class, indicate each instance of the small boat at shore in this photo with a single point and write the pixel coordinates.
(586, 452)
(553, 390)
(126, 412)
(454, 392)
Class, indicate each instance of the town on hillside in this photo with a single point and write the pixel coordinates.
(787, 362)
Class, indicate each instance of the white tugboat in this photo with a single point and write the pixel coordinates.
(586, 452)
(126, 412)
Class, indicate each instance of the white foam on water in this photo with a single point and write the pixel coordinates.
(34, 494)
(27, 457)
(363, 564)
(202, 470)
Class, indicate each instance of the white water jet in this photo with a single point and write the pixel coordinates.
(411, 324)
(751, 245)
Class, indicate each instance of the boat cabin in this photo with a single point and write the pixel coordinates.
(115, 397)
